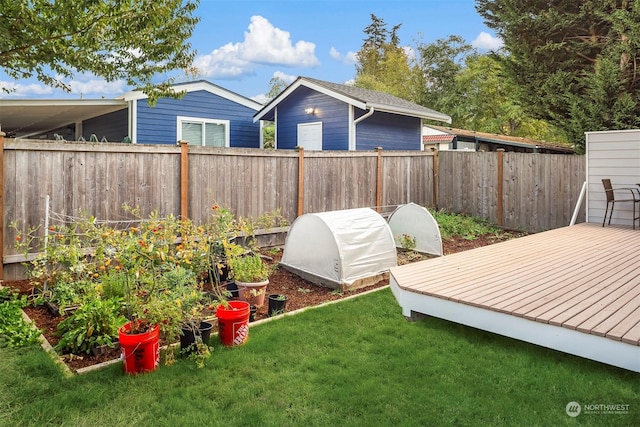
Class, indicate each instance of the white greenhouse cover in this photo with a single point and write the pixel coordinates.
(340, 247)
(416, 222)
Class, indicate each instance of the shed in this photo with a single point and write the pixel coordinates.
(447, 138)
(416, 223)
(344, 249)
(320, 115)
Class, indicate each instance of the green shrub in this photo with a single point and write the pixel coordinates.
(14, 330)
(467, 227)
(249, 268)
(114, 284)
(95, 323)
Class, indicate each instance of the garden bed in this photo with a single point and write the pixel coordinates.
(300, 293)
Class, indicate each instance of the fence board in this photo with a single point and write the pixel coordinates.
(540, 190)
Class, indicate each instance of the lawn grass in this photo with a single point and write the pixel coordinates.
(354, 363)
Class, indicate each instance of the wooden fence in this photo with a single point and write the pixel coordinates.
(521, 191)
(536, 192)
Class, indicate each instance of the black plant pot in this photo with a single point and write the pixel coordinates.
(233, 288)
(189, 335)
(276, 304)
(252, 313)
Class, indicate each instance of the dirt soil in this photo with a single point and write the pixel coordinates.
(300, 293)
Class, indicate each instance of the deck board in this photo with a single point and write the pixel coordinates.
(584, 278)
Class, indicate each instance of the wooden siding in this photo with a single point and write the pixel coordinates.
(614, 155)
(389, 131)
(158, 124)
(582, 278)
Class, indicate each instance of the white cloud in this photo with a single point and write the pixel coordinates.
(262, 98)
(287, 78)
(410, 52)
(23, 90)
(97, 86)
(487, 41)
(263, 44)
(85, 88)
(222, 63)
(349, 58)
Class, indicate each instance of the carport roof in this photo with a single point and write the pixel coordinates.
(25, 117)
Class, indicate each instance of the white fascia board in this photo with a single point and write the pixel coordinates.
(301, 82)
(275, 101)
(59, 102)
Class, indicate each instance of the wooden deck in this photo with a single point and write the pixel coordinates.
(574, 289)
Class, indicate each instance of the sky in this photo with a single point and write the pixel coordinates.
(242, 44)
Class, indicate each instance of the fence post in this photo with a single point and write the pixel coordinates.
(499, 206)
(300, 180)
(2, 134)
(379, 180)
(436, 179)
(184, 179)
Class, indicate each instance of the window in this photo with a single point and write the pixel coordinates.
(206, 132)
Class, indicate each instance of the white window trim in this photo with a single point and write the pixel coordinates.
(200, 120)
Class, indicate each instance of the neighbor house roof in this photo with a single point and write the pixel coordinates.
(438, 138)
(362, 98)
(493, 138)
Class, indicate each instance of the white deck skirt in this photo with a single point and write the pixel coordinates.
(573, 289)
(601, 349)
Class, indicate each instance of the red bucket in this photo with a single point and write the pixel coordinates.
(233, 323)
(140, 352)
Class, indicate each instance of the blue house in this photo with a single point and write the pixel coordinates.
(319, 115)
(206, 115)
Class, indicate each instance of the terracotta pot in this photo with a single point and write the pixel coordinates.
(253, 293)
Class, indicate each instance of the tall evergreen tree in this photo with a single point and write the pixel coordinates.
(439, 63)
(575, 62)
(383, 64)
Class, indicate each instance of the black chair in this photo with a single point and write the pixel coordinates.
(631, 195)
